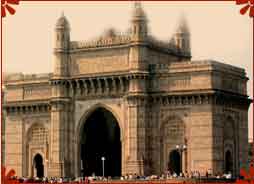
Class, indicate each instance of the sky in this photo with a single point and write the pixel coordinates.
(218, 31)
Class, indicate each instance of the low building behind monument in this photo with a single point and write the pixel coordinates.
(131, 99)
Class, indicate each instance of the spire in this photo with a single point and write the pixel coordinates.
(137, 4)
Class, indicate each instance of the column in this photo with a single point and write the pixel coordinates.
(58, 136)
(137, 145)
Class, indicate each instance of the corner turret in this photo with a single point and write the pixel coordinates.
(62, 34)
(182, 37)
(139, 23)
(62, 42)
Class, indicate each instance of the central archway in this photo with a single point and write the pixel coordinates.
(100, 137)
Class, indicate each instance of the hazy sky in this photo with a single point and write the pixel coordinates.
(218, 31)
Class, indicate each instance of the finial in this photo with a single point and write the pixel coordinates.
(138, 11)
(137, 4)
(62, 21)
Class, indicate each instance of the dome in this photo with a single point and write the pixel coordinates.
(183, 26)
(110, 32)
(138, 12)
(62, 22)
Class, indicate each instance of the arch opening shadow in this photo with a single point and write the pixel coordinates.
(228, 162)
(174, 162)
(100, 137)
(39, 167)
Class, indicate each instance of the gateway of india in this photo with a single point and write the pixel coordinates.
(126, 103)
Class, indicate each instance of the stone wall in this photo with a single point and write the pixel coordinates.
(14, 141)
(19, 150)
(101, 61)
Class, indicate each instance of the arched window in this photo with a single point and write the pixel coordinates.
(229, 136)
(229, 129)
(135, 30)
(174, 129)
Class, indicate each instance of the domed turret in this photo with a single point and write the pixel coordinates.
(62, 42)
(109, 33)
(183, 26)
(62, 22)
(139, 23)
(62, 32)
(138, 12)
(182, 37)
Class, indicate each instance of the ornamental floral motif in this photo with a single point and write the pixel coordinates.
(5, 5)
(249, 6)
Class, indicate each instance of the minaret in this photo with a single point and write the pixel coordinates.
(62, 42)
(139, 23)
(60, 103)
(136, 99)
(182, 37)
(138, 51)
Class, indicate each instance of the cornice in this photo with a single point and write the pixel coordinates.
(27, 107)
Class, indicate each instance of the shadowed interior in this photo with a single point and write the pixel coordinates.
(100, 137)
(174, 162)
(38, 161)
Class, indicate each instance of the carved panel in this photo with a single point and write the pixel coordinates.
(37, 92)
(100, 61)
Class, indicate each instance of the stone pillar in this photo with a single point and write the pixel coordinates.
(58, 137)
(137, 133)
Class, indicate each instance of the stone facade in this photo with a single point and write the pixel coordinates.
(158, 95)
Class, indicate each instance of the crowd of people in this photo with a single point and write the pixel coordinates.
(128, 177)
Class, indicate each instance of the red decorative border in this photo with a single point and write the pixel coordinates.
(249, 5)
(5, 5)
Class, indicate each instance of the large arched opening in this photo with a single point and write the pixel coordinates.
(38, 166)
(100, 137)
(174, 164)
